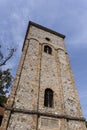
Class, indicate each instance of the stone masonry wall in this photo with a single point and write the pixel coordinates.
(71, 102)
(39, 71)
(27, 92)
(49, 78)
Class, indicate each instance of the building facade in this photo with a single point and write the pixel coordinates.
(44, 95)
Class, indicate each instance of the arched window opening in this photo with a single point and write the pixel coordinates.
(48, 98)
(48, 49)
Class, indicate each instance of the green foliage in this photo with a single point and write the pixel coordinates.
(3, 99)
(5, 84)
(5, 76)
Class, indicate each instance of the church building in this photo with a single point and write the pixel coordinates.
(44, 94)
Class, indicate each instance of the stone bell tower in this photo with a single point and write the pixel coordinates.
(44, 95)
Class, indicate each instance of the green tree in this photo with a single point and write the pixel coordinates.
(5, 76)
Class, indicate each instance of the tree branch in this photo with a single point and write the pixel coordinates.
(3, 62)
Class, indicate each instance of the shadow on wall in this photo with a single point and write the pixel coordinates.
(86, 124)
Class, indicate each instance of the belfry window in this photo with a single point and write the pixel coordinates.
(47, 49)
(48, 98)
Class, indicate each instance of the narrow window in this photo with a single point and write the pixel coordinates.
(48, 98)
(47, 49)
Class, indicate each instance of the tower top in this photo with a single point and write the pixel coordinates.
(43, 28)
(46, 29)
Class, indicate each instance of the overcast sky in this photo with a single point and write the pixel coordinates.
(68, 17)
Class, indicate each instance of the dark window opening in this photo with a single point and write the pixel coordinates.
(48, 49)
(48, 98)
(47, 39)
